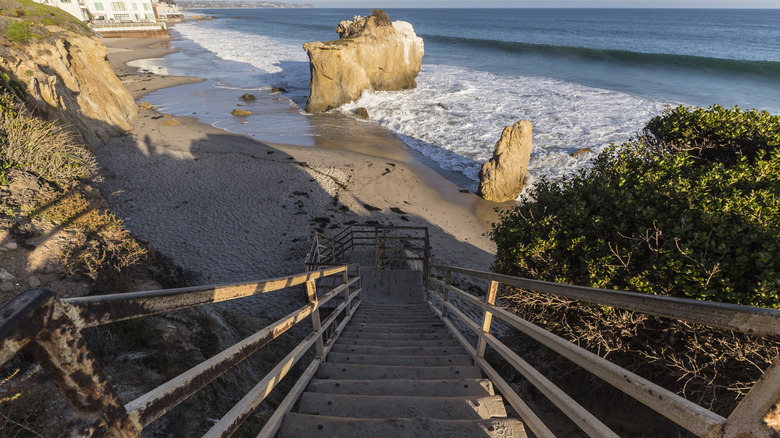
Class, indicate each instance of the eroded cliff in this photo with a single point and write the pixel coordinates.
(373, 53)
(68, 79)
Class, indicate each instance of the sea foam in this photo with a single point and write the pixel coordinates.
(456, 115)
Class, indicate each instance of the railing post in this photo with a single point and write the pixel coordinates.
(376, 246)
(427, 266)
(747, 419)
(311, 291)
(487, 318)
(445, 294)
(346, 292)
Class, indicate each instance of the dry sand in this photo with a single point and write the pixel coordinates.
(229, 208)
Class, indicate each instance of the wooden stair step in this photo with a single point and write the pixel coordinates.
(416, 327)
(344, 340)
(373, 372)
(408, 336)
(364, 319)
(402, 387)
(395, 305)
(396, 308)
(400, 351)
(420, 361)
(392, 326)
(372, 406)
(306, 425)
(391, 315)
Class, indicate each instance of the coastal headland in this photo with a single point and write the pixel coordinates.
(230, 208)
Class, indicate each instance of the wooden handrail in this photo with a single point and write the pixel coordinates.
(384, 239)
(747, 418)
(757, 321)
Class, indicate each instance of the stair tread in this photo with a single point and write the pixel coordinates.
(419, 360)
(379, 326)
(298, 425)
(373, 372)
(417, 388)
(372, 406)
(347, 340)
(411, 336)
(402, 351)
(390, 320)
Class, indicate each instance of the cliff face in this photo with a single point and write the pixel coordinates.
(372, 53)
(69, 80)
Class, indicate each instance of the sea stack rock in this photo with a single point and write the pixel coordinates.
(373, 53)
(501, 178)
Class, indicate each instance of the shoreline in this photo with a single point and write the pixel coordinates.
(232, 208)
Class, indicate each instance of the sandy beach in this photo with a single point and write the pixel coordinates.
(228, 208)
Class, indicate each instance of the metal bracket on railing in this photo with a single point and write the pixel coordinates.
(37, 320)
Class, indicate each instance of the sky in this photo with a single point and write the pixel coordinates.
(389, 4)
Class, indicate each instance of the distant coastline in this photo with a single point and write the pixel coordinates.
(211, 4)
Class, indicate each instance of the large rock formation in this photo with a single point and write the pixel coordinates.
(373, 53)
(501, 178)
(69, 80)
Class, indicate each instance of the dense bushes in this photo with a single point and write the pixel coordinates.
(692, 209)
(689, 209)
(715, 134)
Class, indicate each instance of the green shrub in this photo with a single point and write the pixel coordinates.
(19, 31)
(713, 134)
(12, 87)
(703, 224)
(36, 15)
(40, 147)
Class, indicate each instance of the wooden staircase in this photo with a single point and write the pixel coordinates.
(396, 371)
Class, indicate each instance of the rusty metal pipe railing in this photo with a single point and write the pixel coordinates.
(241, 411)
(50, 328)
(747, 418)
(104, 309)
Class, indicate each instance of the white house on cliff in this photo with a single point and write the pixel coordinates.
(123, 18)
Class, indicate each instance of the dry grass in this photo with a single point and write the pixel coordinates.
(26, 405)
(103, 248)
(40, 147)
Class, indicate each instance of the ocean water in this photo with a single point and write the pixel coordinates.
(584, 77)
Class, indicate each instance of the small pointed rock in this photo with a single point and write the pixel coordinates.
(34, 281)
(5, 275)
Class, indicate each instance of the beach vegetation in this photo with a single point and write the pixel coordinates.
(102, 249)
(19, 31)
(15, 90)
(41, 147)
(690, 208)
(30, 18)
